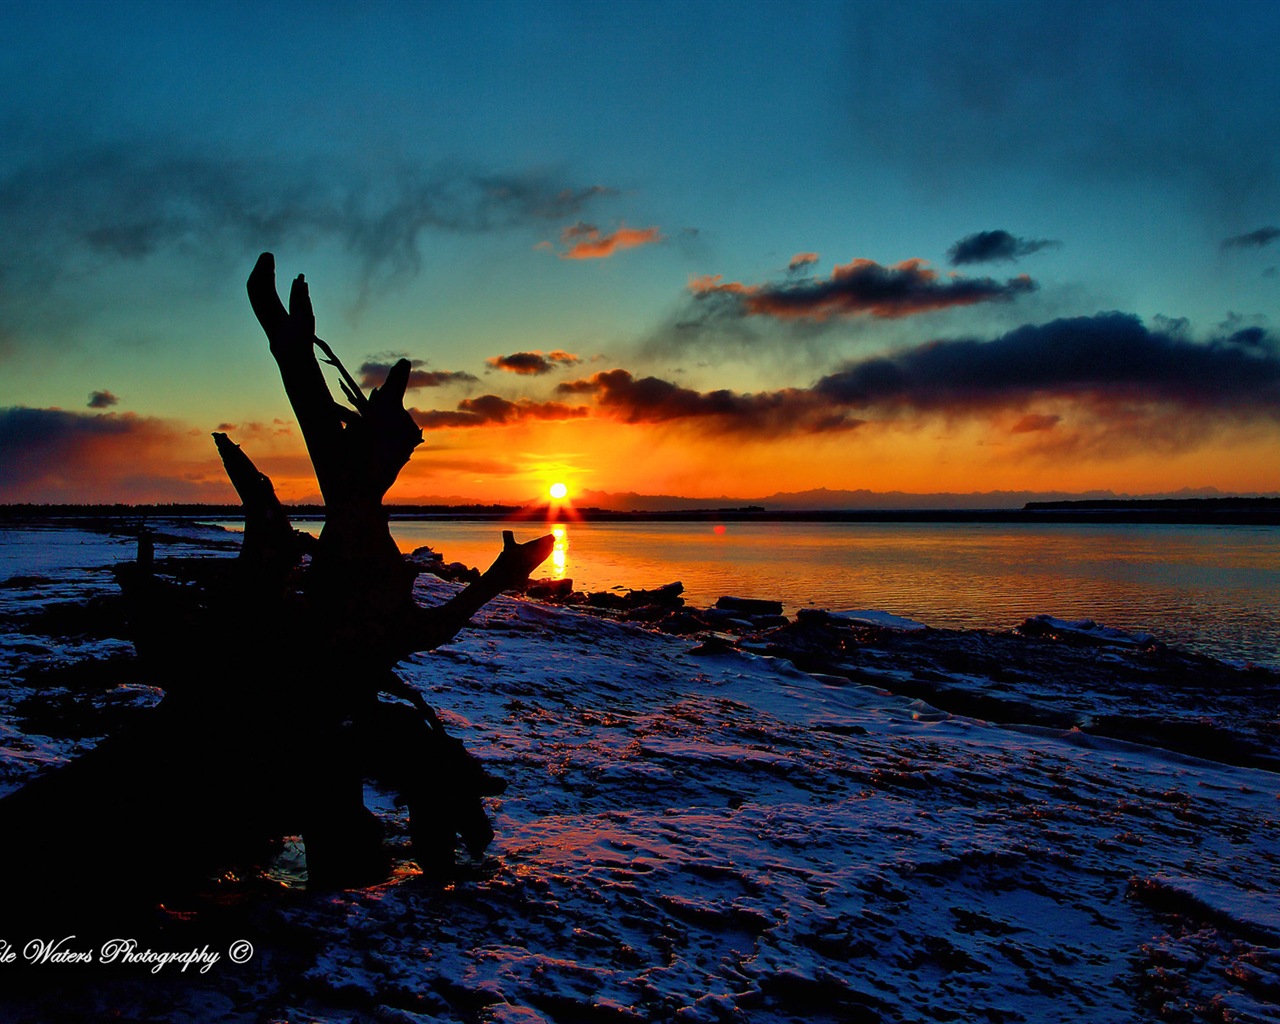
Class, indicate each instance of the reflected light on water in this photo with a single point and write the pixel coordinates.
(560, 553)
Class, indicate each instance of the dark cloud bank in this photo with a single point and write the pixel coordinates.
(492, 410)
(621, 396)
(1111, 356)
(57, 455)
(861, 287)
(1111, 362)
(1144, 386)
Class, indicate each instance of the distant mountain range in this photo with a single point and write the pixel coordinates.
(824, 499)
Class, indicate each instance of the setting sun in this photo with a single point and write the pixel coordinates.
(558, 491)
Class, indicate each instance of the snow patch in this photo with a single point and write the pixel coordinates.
(1087, 629)
(875, 617)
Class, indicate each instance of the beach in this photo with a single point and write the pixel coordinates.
(745, 823)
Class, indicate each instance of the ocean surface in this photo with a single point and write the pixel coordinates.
(1215, 589)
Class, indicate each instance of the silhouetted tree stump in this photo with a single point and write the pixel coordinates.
(276, 674)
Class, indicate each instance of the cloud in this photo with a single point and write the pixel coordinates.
(372, 375)
(1032, 422)
(1108, 358)
(492, 410)
(129, 201)
(801, 260)
(618, 395)
(102, 400)
(1121, 386)
(52, 455)
(861, 287)
(1253, 239)
(532, 363)
(1165, 385)
(996, 246)
(586, 242)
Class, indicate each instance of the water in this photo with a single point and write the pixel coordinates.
(1213, 589)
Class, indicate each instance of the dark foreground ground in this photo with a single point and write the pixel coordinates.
(722, 815)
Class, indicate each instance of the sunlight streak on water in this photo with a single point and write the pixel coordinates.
(560, 553)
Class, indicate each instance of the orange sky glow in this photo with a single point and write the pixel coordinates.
(1005, 286)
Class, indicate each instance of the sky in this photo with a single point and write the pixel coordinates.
(698, 249)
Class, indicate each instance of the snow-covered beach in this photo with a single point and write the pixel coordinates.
(704, 831)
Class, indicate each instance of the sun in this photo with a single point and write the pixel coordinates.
(558, 491)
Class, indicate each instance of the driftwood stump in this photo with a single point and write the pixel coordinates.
(280, 690)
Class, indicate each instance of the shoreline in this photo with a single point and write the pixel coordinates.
(1157, 693)
(1233, 645)
(1173, 511)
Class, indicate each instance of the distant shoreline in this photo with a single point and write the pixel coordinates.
(1173, 511)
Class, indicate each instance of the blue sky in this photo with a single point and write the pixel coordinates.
(430, 167)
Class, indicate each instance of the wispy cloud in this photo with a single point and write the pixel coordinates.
(373, 374)
(1252, 239)
(996, 247)
(130, 200)
(102, 400)
(583, 241)
(532, 363)
(859, 288)
(1035, 421)
(968, 101)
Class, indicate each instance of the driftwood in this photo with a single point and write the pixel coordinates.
(280, 690)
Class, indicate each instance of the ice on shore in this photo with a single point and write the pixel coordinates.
(723, 837)
(1087, 629)
(875, 617)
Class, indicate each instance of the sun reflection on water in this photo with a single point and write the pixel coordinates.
(560, 553)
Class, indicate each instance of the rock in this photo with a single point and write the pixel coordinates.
(749, 606)
(455, 572)
(604, 599)
(549, 589)
(426, 556)
(662, 600)
(646, 613)
(683, 622)
(716, 643)
(669, 595)
(726, 619)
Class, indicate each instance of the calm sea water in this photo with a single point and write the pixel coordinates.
(1214, 589)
